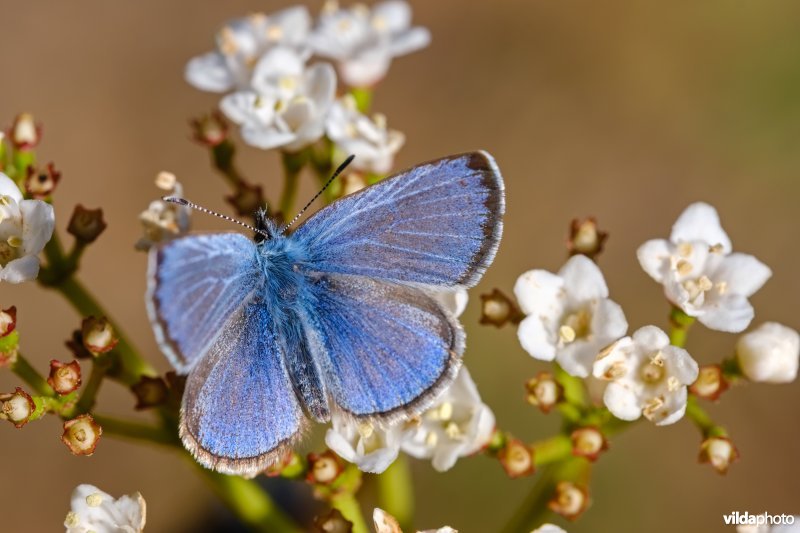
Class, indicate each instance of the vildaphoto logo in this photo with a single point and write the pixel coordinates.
(764, 519)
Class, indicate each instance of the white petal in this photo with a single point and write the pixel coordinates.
(276, 63)
(681, 364)
(742, 273)
(540, 292)
(583, 280)
(265, 138)
(622, 402)
(454, 300)
(247, 106)
(409, 41)
(321, 86)
(613, 354)
(38, 221)
(608, 322)
(295, 22)
(19, 270)
(650, 339)
(700, 222)
(366, 70)
(445, 456)
(654, 258)
(674, 409)
(484, 427)
(731, 313)
(578, 357)
(9, 188)
(209, 72)
(392, 16)
(536, 340)
(340, 444)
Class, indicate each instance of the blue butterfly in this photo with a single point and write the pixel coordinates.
(336, 315)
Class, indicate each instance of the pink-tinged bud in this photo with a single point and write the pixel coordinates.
(81, 435)
(516, 459)
(210, 130)
(86, 225)
(41, 184)
(588, 442)
(719, 452)
(8, 321)
(149, 392)
(247, 199)
(544, 391)
(75, 345)
(585, 238)
(498, 309)
(570, 500)
(98, 335)
(17, 407)
(25, 133)
(333, 522)
(323, 468)
(64, 377)
(710, 383)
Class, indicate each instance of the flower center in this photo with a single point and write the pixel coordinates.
(9, 250)
(575, 326)
(698, 287)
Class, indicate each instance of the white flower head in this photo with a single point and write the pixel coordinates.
(163, 221)
(700, 274)
(569, 315)
(363, 41)
(457, 425)
(770, 353)
(242, 45)
(91, 509)
(368, 139)
(289, 109)
(647, 376)
(371, 448)
(25, 227)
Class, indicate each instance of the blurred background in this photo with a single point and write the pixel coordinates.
(625, 110)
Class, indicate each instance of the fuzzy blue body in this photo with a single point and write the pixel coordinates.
(338, 315)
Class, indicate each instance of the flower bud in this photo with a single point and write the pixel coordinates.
(8, 321)
(588, 442)
(86, 225)
(76, 347)
(323, 468)
(98, 335)
(585, 238)
(570, 500)
(41, 184)
(719, 452)
(247, 199)
(17, 407)
(25, 133)
(81, 435)
(64, 377)
(384, 522)
(176, 383)
(210, 130)
(544, 391)
(498, 309)
(333, 522)
(770, 353)
(516, 458)
(710, 383)
(149, 392)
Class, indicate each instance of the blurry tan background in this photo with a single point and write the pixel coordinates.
(628, 111)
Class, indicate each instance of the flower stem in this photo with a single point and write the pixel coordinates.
(100, 366)
(556, 448)
(680, 323)
(702, 420)
(31, 376)
(292, 165)
(348, 505)
(396, 492)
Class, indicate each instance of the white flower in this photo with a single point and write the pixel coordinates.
(290, 110)
(25, 227)
(369, 447)
(457, 425)
(368, 139)
(769, 353)
(548, 528)
(363, 42)
(162, 220)
(647, 377)
(241, 46)
(570, 317)
(386, 523)
(94, 510)
(700, 274)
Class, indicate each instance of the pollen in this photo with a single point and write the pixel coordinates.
(684, 267)
(453, 431)
(722, 287)
(685, 249)
(431, 439)
(72, 519)
(274, 33)
(673, 384)
(651, 406)
(14, 241)
(658, 359)
(567, 334)
(94, 500)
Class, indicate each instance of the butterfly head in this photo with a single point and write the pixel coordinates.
(265, 227)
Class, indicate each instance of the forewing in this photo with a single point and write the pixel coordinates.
(438, 223)
(387, 349)
(196, 283)
(239, 410)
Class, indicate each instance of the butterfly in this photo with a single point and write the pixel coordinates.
(286, 327)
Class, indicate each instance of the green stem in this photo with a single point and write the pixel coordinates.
(396, 492)
(702, 420)
(552, 450)
(100, 366)
(292, 165)
(137, 431)
(250, 503)
(31, 376)
(680, 323)
(363, 98)
(348, 505)
(574, 389)
(222, 156)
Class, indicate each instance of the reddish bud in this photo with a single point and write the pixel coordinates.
(98, 335)
(323, 468)
(41, 184)
(210, 130)
(86, 225)
(25, 133)
(585, 238)
(8, 321)
(75, 345)
(17, 407)
(719, 452)
(588, 442)
(64, 377)
(544, 391)
(333, 522)
(570, 500)
(710, 383)
(81, 435)
(516, 458)
(150, 392)
(498, 309)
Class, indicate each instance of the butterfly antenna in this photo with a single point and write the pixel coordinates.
(187, 203)
(327, 183)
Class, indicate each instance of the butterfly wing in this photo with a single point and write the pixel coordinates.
(438, 223)
(239, 409)
(386, 348)
(196, 283)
